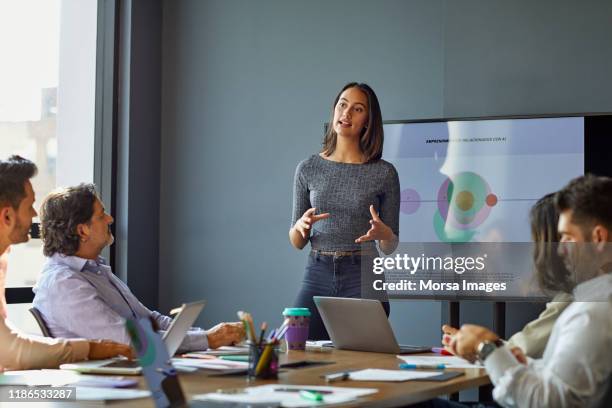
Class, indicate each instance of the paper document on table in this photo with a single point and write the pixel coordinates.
(448, 361)
(216, 364)
(39, 377)
(63, 377)
(289, 395)
(107, 394)
(374, 374)
(223, 351)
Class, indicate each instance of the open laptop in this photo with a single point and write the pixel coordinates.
(360, 324)
(187, 315)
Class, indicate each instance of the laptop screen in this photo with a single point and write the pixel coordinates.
(157, 368)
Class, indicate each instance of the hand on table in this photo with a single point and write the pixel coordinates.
(103, 349)
(448, 333)
(378, 230)
(304, 224)
(464, 343)
(225, 334)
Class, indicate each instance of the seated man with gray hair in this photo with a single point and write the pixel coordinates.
(78, 295)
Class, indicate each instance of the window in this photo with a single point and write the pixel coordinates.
(47, 102)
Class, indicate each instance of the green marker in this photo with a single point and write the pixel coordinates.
(311, 395)
(236, 357)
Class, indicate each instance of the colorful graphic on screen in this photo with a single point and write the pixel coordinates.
(464, 202)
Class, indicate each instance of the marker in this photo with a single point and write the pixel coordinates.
(285, 389)
(311, 395)
(236, 357)
(405, 366)
(441, 350)
(264, 327)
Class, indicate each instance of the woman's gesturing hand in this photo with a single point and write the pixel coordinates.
(304, 224)
(378, 230)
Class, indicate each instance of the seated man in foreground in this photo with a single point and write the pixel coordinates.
(19, 351)
(78, 295)
(576, 367)
(551, 275)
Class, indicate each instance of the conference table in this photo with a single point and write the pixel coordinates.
(390, 394)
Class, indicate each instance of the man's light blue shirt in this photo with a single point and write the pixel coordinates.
(81, 298)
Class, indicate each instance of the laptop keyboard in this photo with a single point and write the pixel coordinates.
(123, 364)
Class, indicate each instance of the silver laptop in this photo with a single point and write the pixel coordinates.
(360, 324)
(187, 315)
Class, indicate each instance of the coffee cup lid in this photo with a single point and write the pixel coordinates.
(296, 311)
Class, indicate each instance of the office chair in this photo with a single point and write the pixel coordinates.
(41, 323)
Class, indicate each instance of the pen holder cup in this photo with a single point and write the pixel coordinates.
(263, 360)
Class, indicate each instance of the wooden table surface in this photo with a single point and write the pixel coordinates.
(390, 394)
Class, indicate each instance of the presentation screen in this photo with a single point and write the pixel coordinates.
(474, 181)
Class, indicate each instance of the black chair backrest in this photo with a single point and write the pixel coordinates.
(41, 323)
(606, 402)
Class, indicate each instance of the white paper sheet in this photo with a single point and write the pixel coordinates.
(374, 374)
(39, 377)
(224, 351)
(217, 364)
(268, 393)
(448, 361)
(63, 377)
(107, 394)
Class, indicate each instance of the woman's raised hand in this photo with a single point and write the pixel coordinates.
(378, 230)
(304, 224)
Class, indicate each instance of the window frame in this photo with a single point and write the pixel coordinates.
(105, 129)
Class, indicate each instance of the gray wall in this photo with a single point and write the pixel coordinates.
(247, 86)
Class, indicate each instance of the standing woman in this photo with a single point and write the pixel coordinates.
(344, 200)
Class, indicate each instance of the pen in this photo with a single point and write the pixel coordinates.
(405, 366)
(311, 395)
(441, 350)
(264, 359)
(264, 327)
(337, 377)
(322, 392)
(280, 334)
(245, 324)
(249, 319)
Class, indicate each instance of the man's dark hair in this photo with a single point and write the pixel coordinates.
(589, 198)
(60, 214)
(14, 172)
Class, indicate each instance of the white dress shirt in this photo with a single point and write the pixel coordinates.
(576, 366)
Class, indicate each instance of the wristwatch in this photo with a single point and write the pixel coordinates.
(485, 348)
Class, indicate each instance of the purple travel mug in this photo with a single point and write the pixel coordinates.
(297, 330)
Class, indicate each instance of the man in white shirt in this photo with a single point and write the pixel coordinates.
(576, 367)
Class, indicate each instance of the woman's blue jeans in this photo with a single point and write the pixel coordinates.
(328, 275)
